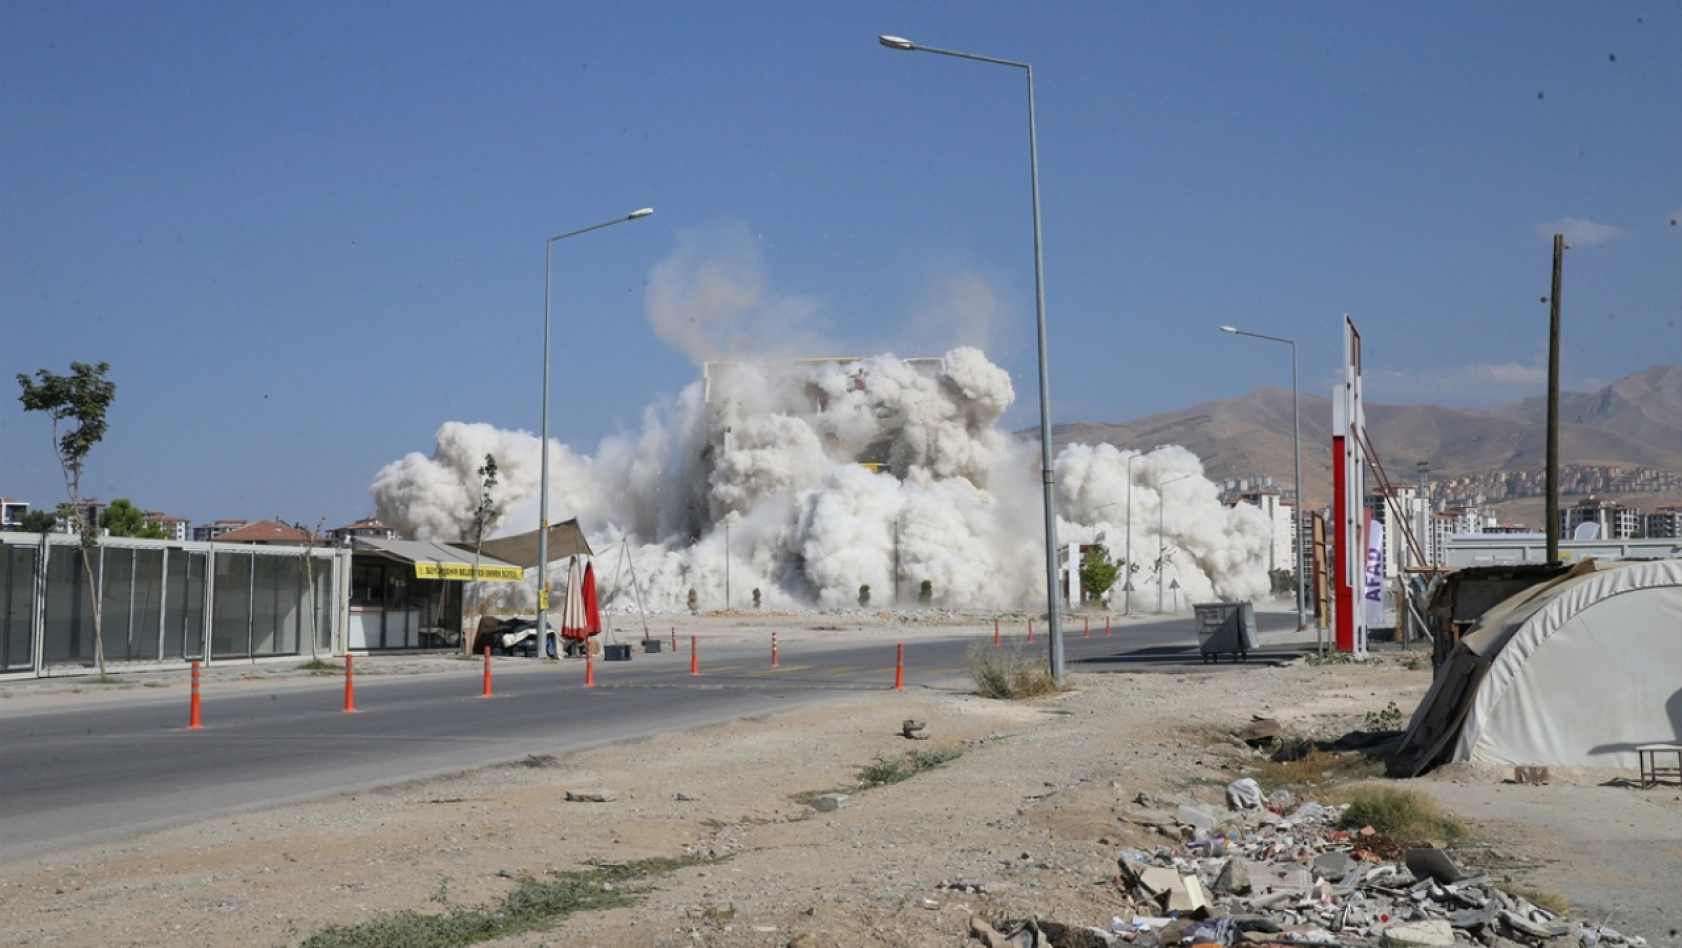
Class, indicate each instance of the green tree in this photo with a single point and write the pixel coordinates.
(1283, 580)
(925, 592)
(39, 521)
(124, 519)
(1098, 572)
(484, 516)
(82, 398)
(864, 596)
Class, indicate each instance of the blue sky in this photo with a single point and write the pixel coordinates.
(306, 235)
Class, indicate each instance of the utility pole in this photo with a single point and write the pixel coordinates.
(1552, 514)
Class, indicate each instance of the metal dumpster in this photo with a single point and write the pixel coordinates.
(1225, 627)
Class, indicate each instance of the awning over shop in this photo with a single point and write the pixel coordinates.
(565, 539)
(440, 561)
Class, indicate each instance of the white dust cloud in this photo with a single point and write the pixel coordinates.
(820, 475)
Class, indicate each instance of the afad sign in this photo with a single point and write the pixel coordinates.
(1374, 593)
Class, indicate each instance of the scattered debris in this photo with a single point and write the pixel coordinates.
(591, 796)
(915, 730)
(1264, 876)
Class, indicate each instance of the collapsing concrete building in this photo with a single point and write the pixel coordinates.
(806, 388)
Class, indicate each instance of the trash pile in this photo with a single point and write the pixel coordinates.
(1277, 872)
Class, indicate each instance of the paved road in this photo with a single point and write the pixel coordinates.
(76, 774)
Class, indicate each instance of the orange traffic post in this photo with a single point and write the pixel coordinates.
(350, 686)
(1087, 632)
(589, 667)
(1030, 631)
(995, 633)
(1106, 625)
(774, 649)
(193, 722)
(487, 693)
(899, 669)
(694, 658)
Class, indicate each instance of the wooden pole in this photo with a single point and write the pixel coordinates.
(1552, 515)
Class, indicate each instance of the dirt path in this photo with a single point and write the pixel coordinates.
(1033, 812)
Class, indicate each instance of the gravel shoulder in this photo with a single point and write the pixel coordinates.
(1034, 811)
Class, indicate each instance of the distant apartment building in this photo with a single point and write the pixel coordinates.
(1664, 522)
(368, 528)
(90, 509)
(175, 528)
(1616, 521)
(1452, 521)
(206, 532)
(12, 513)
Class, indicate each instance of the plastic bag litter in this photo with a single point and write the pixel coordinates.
(1244, 794)
(1221, 931)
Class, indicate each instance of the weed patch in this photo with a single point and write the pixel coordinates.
(1300, 766)
(887, 770)
(534, 904)
(1008, 673)
(319, 665)
(1390, 719)
(1402, 814)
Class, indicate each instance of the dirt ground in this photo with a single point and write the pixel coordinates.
(1033, 812)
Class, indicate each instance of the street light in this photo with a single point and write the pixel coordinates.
(1296, 439)
(1054, 622)
(1127, 590)
(543, 436)
(1161, 541)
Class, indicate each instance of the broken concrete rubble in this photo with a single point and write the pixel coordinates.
(1299, 879)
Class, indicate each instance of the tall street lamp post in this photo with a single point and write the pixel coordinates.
(1127, 587)
(1296, 440)
(1054, 622)
(543, 435)
(1162, 538)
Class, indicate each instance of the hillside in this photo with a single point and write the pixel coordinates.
(1633, 422)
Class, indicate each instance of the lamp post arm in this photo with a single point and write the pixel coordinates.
(954, 53)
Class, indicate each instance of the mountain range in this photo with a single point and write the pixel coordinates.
(1635, 421)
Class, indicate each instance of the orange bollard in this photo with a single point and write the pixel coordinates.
(193, 722)
(774, 649)
(899, 669)
(995, 633)
(1087, 632)
(350, 687)
(1106, 625)
(589, 667)
(1030, 630)
(487, 693)
(694, 658)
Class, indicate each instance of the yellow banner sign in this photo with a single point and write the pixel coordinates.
(464, 572)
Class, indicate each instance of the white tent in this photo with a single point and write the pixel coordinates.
(1577, 671)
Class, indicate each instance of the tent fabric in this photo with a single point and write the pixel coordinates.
(1577, 671)
(441, 561)
(565, 539)
(1592, 672)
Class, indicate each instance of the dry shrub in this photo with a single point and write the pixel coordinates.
(1402, 814)
(1007, 673)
